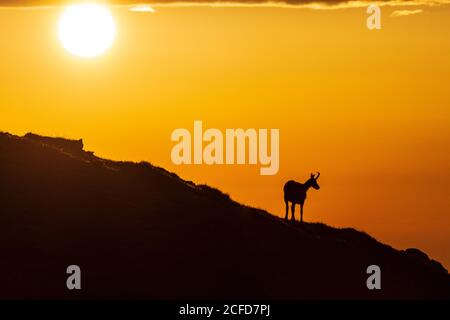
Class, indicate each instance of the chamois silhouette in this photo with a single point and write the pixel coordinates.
(295, 193)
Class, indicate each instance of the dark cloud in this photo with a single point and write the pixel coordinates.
(323, 3)
(24, 3)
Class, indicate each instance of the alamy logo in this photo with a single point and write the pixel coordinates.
(74, 280)
(236, 146)
(374, 281)
(374, 20)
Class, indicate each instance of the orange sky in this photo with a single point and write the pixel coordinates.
(368, 109)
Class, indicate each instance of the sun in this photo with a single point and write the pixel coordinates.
(87, 30)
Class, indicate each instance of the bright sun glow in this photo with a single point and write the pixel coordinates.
(87, 30)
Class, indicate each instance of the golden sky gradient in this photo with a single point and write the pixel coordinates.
(368, 109)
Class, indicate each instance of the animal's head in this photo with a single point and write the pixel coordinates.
(313, 181)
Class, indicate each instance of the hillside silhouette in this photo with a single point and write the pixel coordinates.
(139, 231)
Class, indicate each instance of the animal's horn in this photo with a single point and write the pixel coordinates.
(318, 175)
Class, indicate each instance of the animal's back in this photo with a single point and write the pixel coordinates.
(289, 185)
(289, 190)
(293, 191)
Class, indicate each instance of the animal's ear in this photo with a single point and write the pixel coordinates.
(312, 175)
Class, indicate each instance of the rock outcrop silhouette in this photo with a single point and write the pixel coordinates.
(139, 231)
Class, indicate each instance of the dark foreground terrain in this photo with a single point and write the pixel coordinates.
(138, 231)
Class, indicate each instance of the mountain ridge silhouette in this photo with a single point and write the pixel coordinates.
(140, 231)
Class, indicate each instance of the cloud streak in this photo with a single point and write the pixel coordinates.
(312, 4)
(142, 8)
(404, 13)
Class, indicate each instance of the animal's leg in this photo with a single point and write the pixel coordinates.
(287, 209)
(301, 212)
(292, 211)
